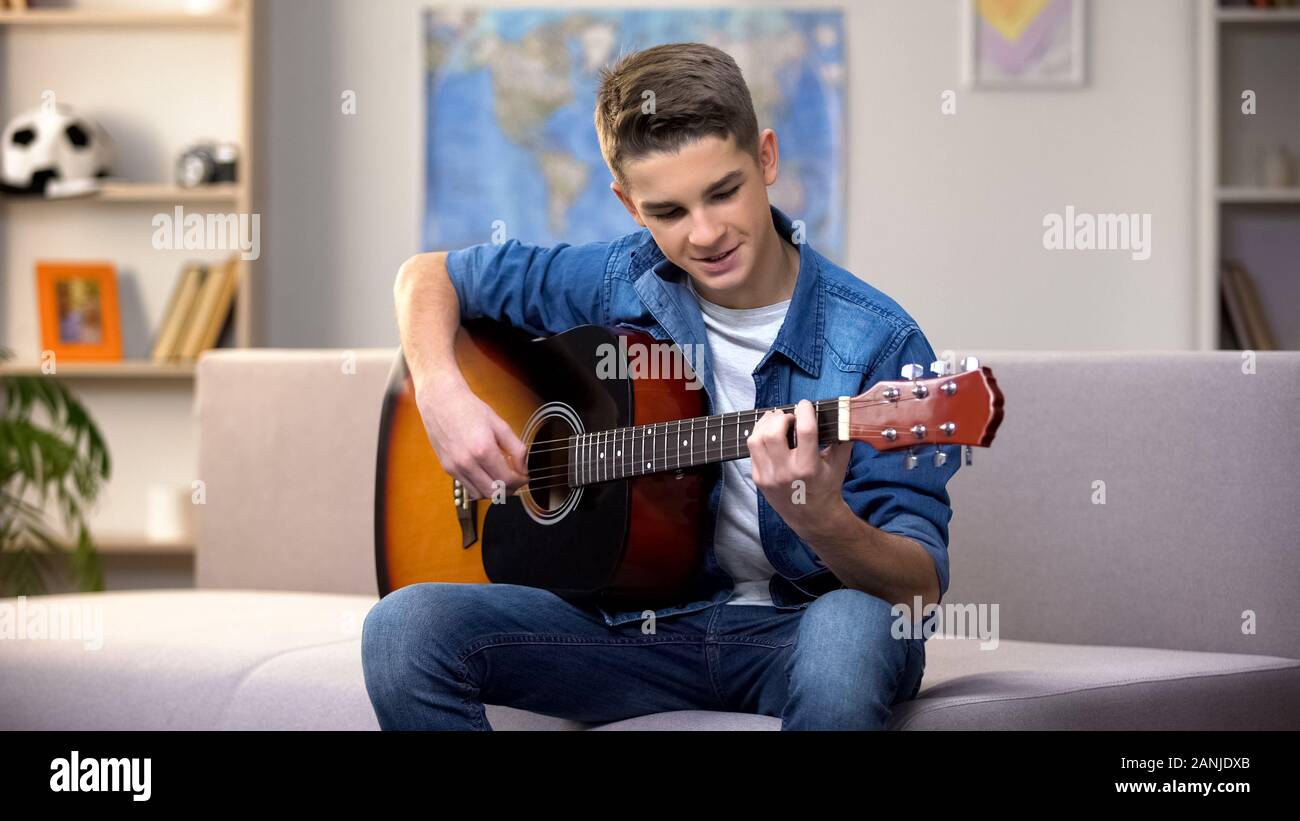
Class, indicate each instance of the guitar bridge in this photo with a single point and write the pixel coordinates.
(464, 514)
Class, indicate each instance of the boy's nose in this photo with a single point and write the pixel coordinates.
(704, 237)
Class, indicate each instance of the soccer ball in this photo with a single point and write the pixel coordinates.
(53, 143)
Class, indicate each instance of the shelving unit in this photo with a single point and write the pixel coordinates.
(139, 192)
(237, 197)
(1258, 194)
(1240, 218)
(1262, 16)
(128, 369)
(84, 17)
(132, 546)
(157, 79)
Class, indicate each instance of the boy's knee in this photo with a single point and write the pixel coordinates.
(415, 615)
(849, 612)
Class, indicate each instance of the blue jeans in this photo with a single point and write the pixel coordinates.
(435, 653)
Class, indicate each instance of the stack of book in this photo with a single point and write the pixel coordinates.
(198, 311)
(1245, 325)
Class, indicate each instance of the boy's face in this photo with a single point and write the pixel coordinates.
(706, 206)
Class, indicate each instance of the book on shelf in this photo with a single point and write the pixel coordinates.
(1245, 312)
(198, 315)
(179, 307)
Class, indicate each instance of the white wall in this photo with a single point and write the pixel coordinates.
(946, 211)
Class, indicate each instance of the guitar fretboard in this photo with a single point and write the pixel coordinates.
(622, 453)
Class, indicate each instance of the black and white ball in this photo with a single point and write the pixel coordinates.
(53, 143)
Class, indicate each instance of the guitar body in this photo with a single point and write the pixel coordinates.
(634, 542)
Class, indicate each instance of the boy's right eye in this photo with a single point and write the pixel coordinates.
(668, 216)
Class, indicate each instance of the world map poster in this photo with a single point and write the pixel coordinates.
(510, 144)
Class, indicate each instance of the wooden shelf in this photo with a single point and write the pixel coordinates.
(163, 192)
(128, 369)
(1265, 16)
(1259, 194)
(80, 17)
(141, 192)
(118, 545)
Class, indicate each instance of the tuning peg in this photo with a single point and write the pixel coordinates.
(913, 371)
(910, 460)
(970, 454)
(970, 363)
(940, 458)
(941, 367)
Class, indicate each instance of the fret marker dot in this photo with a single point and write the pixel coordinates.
(683, 443)
(602, 454)
(647, 464)
(618, 453)
(713, 438)
(746, 433)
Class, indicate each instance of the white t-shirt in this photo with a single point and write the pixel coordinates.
(738, 339)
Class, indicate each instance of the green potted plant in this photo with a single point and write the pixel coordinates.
(63, 458)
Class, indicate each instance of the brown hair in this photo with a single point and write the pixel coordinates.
(697, 90)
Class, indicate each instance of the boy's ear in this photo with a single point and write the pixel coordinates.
(627, 202)
(769, 155)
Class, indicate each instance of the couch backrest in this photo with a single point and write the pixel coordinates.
(287, 454)
(1201, 520)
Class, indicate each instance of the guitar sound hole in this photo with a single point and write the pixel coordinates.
(548, 464)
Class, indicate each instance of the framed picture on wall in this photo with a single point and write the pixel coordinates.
(80, 321)
(1023, 44)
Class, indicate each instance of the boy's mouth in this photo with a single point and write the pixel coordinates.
(719, 257)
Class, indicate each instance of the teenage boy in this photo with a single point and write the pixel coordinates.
(810, 547)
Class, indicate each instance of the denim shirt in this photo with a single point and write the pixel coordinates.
(839, 337)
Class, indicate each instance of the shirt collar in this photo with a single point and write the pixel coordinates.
(800, 337)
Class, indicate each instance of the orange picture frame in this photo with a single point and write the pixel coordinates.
(80, 320)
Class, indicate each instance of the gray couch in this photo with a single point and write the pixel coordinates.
(1122, 615)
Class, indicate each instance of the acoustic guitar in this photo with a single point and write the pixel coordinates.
(616, 492)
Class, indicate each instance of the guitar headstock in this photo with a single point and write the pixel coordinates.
(946, 409)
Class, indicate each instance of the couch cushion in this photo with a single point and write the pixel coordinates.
(1023, 685)
(201, 660)
(228, 659)
(695, 720)
(188, 659)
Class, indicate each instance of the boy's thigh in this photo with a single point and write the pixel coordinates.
(528, 648)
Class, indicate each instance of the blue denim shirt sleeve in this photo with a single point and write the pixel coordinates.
(882, 491)
(543, 290)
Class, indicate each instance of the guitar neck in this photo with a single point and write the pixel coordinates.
(669, 446)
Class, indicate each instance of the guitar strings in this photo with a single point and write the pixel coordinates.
(829, 403)
(554, 472)
(819, 405)
(595, 462)
(594, 466)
